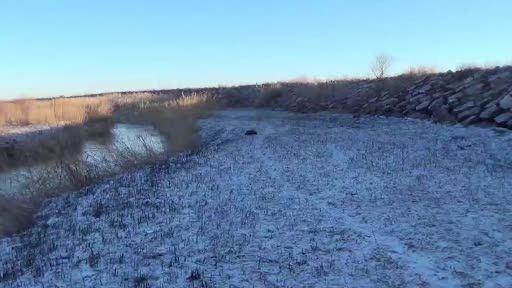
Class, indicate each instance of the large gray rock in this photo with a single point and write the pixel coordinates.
(471, 112)
(503, 118)
(486, 99)
(442, 115)
(506, 102)
(436, 104)
(425, 88)
(424, 105)
(492, 103)
(438, 95)
(509, 124)
(474, 89)
(464, 107)
(390, 101)
(402, 105)
(418, 97)
(455, 97)
(500, 76)
(462, 87)
(470, 120)
(490, 112)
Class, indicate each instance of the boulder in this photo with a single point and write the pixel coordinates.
(500, 76)
(474, 89)
(442, 115)
(390, 101)
(424, 105)
(468, 80)
(464, 107)
(438, 95)
(455, 97)
(436, 104)
(509, 124)
(455, 85)
(470, 120)
(418, 97)
(470, 112)
(401, 106)
(503, 118)
(486, 100)
(461, 87)
(492, 103)
(425, 88)
(490, 112)
(506, 102)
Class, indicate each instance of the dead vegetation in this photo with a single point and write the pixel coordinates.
(175, 119)
(67, 169)
(339, 95)
(53, 112)
(64, 111)
(56, 143)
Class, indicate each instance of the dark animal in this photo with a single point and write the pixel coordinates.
(251, 132)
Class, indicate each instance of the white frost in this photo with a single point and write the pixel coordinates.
(317, 200)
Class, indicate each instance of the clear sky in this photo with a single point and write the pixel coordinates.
(56, 47)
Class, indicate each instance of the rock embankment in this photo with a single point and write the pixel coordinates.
(470, 97)
(483, 97)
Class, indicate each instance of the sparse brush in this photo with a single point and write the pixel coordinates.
(57, 144)
(176, 120)
(421, 70)
(69, 173)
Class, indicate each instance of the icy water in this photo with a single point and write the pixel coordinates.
(129, 140)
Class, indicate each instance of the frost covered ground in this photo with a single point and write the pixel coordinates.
(318, 200)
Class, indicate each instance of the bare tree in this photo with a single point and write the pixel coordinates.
(381, 66)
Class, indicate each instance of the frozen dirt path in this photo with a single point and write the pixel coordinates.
(317, 200)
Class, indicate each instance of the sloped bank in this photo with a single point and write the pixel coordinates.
(471, 97)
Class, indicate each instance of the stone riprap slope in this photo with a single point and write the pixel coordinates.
(317, 200)
(477, 96)
(482, 97)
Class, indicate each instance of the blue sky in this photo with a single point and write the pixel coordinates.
(50, 48)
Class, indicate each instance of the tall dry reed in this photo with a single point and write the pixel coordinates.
(59, 111)
(175, 120)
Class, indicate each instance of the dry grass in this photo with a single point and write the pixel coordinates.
(422, 70)
(53, 112)
(311, 97)
(60, 111)
(67, 174)
(175, 120)
(59, 143)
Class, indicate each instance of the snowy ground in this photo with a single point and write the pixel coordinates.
(25, 133)
(317, 200)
